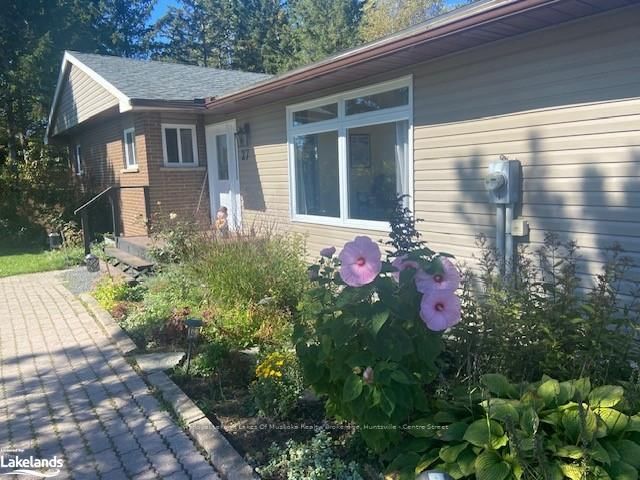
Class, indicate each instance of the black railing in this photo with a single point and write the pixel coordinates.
(109, 193)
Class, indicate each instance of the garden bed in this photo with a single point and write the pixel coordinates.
(226, 400)
(534, 378)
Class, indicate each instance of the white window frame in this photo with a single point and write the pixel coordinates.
(129, 165)
(342, 124)
(194, 141)
(78, 155)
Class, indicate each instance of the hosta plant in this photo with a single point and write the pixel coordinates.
(370, 333)
(547, 430)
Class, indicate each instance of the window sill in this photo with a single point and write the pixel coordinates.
(130, 170)
(352, 224)
(180, 168)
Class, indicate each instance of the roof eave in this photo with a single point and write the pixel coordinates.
(470, 17)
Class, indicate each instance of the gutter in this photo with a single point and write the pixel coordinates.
(453, 23)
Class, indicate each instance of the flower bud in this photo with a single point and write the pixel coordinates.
(367, 376)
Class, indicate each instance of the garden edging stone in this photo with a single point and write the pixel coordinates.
(104, 318)
(226, 460)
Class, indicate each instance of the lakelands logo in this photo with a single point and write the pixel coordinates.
(30, 466)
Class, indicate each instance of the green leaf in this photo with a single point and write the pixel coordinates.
(529, 421)
(449, 453)
(622, 471)
(378, 320)
(453, 433)
(401, 377)
(485, 433)
(629, 452)
(570, 451)
(352, 388)
(606, 396)
(427, 460)
(422, 428)
(599, 453)
(634, 424)
(574, 472)
(497, 384)
(578, 424)
(490, 466)
(549, 391)
(500, 410)
(582, 388)
(466, 462)
(615, 421)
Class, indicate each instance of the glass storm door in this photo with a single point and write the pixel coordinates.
(222, 165)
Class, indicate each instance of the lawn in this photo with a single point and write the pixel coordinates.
(14, 260)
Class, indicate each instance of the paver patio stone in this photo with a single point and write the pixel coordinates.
(66, 390)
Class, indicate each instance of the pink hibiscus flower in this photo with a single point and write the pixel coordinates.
(360, 262)
(447, 281)
(440, 310)
(401, 263)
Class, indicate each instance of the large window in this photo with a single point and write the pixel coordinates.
(130, 149)
(350, 156)
(179, 145)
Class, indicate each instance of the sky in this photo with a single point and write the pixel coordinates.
(161, 8)
(163, 5)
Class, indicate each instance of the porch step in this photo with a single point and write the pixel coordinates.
(130, 264)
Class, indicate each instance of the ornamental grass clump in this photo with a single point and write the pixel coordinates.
(369, 333)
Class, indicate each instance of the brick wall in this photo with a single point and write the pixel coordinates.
(103, 159)
(176, 189)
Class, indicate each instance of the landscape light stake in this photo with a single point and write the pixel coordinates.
(193, 332)
(433, 475)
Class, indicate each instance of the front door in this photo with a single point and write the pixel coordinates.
(222, 164)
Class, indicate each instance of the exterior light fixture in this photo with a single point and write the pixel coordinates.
(243, 136)
(194, 326)
(433, 475)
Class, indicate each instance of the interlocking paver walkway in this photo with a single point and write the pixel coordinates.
(66, 391)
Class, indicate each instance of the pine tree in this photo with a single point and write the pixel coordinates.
(199, 32)
(121, 26)
(322, 27)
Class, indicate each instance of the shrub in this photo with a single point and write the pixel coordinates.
(208, 362)
(109, 292)
(278, 385)
(369, 340)
(175, 240)
(312, 460)
(542, 321)
(169, 298)
(545, 430)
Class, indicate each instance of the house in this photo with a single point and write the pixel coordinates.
(323, 149)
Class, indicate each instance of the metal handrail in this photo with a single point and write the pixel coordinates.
(85, 215)
(93, 200)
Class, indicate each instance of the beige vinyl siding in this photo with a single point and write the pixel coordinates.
(81, 98)
(565, 101)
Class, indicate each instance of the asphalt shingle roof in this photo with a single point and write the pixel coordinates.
(153, 80)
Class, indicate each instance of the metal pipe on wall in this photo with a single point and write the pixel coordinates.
(508, 250)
